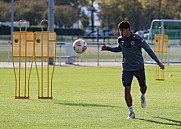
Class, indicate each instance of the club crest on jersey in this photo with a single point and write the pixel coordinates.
(132, 42)
(122, 42)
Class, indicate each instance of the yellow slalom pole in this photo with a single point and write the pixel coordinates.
(19, 51)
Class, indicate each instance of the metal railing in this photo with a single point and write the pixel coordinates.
(94, 53)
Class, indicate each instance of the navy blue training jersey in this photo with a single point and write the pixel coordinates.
(132, 53)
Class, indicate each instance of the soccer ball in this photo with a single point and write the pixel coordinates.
(79, 46)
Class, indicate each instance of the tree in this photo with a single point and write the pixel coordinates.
(32, 10)
(85, 20)
(68, 12)
(160, 9)
(64, 16)
(6, 1)
(140, 13)
(114, 11)
(5, 13)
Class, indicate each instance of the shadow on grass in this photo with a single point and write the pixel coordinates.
(169, 121)
(84, 104)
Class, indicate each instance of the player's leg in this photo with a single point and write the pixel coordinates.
(127, 78)
(140, 75)
(143, 89)
(128, 97)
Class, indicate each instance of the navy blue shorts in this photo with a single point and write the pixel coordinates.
(127, 77)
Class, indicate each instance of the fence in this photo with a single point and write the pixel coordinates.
(93, 53)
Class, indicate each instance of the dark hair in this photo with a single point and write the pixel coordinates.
(124, 25)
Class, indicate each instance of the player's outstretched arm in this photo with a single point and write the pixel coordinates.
(111, 49)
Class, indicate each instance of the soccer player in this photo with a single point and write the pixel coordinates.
(133, 64)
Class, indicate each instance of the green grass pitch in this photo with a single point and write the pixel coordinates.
(92, 98)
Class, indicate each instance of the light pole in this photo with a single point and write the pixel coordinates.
(51, 19)
(12, 27)
(92, 16)
(12, 17)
